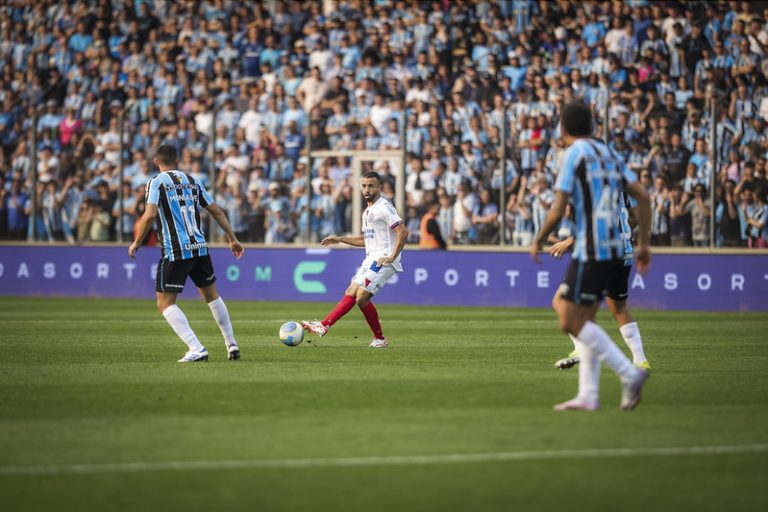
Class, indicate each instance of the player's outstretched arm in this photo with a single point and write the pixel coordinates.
(402, 233)
(553, 219)
(355, 241)
(143, 227)
(643, 212)
(234, 244)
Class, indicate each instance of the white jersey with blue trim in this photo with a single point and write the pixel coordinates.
(379, 223)
(179, 198)
(595, 177)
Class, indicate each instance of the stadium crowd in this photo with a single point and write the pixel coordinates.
(279, 78)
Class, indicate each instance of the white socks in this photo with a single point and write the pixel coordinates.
(221, 315)
(178, 321)
(589, 372)
(631, 334)
(594, 337)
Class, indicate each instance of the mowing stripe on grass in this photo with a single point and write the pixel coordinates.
(404, 460)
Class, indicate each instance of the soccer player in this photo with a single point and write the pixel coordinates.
(593, 177)
(384, 236)
(175, 198)
(616, 298)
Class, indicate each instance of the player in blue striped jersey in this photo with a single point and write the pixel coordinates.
(174, 199)
(592, 177)
(616, 296)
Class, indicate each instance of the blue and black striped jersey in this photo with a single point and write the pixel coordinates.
(179, 199)
(595, 177)
(626, 203)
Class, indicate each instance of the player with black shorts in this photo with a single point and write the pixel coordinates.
(616, 292)
(174, 199)
(592, 177)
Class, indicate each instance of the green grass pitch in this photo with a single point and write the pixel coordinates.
(92, 400)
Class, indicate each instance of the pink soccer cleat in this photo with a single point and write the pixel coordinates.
(632, 391)
(577, 404)
(315, 327)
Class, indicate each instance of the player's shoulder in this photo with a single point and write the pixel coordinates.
(572, 154)
(384, 205)
(155, 181)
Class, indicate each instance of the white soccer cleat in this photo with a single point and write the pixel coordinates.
(577, 404)
(233, 353)
(379, 343)
(194, 357)
(632, 391)
(315, 327)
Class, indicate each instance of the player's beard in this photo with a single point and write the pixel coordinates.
(372, 198)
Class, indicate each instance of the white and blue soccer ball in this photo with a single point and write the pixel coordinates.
(291, 333)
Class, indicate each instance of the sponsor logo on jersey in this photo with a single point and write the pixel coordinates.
(195, 246)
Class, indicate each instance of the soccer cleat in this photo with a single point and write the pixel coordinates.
(577, 404)
(233, 353)
(632, 391)
(645, 365)
(315, 327)
(568, 362)
(194, 357)
(379, 343)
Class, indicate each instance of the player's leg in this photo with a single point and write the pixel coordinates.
(617, 292)
(221, 314)
(587, 398)
(169, 282)
(629, 331)
(204, 278)
(166, 303)
(371, 315)
(343, 307)
(371, 282)
(572, 359)
(581, 294)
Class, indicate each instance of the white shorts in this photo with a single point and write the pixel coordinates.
(373, 278)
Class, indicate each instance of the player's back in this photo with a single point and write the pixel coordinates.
(595, 177)
(179, 198)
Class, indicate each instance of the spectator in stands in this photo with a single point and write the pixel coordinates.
(462, 75)
(757, 220)
(466, 203)
(14, 203)
(485, 219)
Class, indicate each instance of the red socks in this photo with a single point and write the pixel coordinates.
(369, 311)
(372, 317)
(341, 309)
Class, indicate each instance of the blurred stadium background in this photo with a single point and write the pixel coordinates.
(277, 107)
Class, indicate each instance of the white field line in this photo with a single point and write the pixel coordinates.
(78, 321)
(404, 460)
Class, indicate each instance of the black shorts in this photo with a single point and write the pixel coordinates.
(587, 283)
(618, 288)
(171, 275)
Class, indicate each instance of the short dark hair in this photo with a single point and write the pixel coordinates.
(374, 175)
(577, 119)
(166, 154)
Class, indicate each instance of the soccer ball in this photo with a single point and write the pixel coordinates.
(291, 333)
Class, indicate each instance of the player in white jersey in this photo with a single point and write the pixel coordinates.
(383, 236)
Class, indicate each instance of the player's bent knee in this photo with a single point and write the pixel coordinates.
(565, 324)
